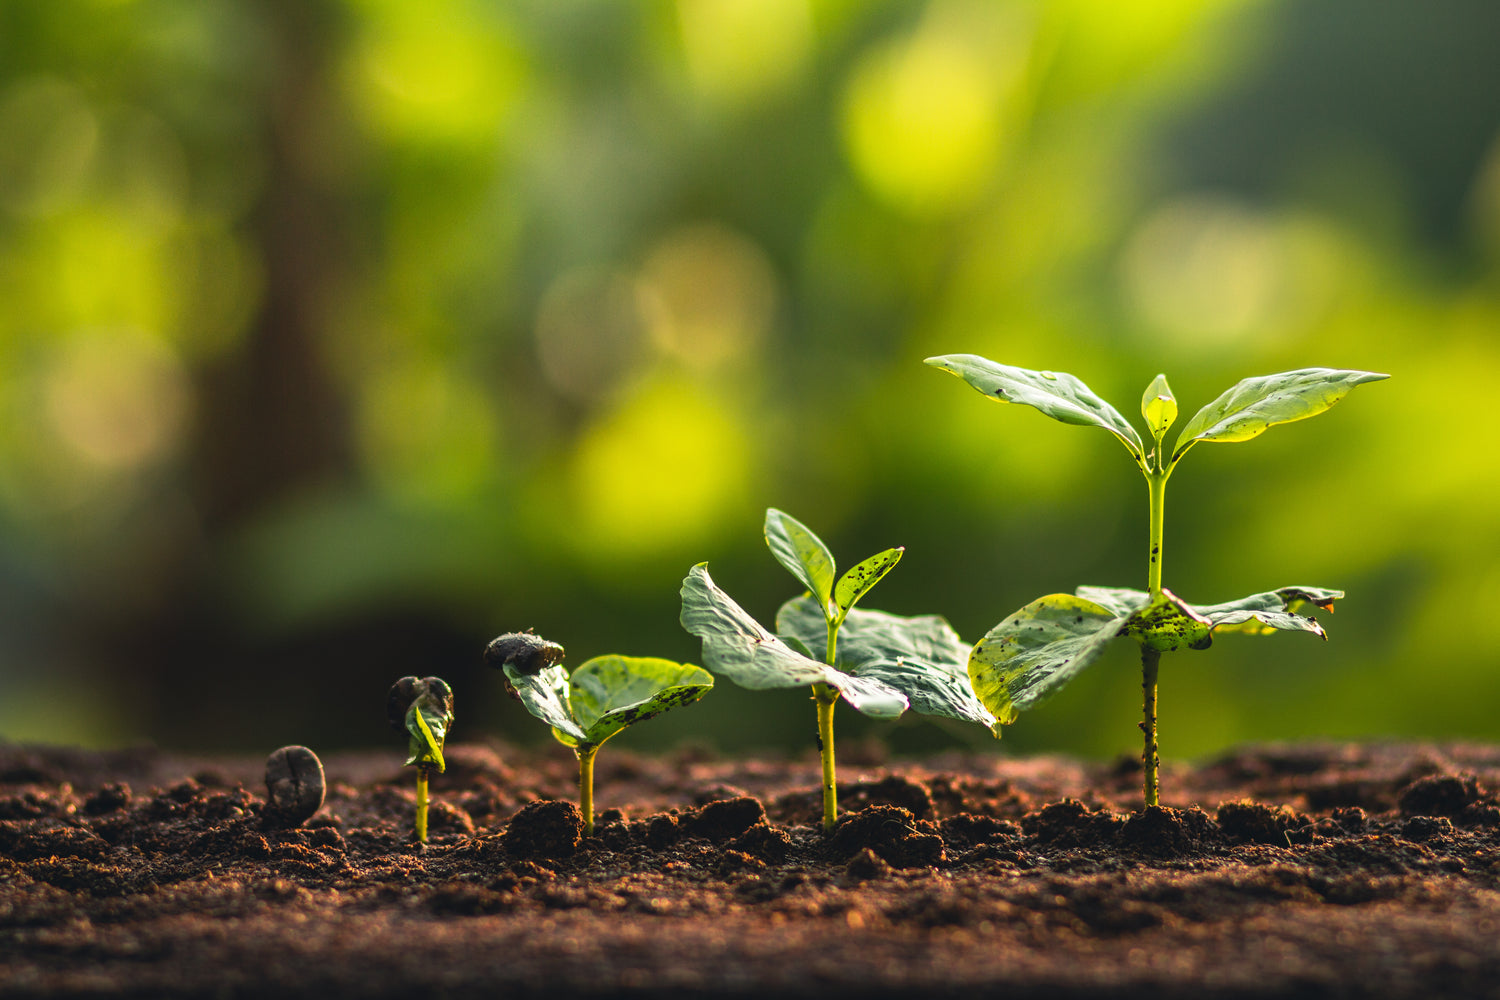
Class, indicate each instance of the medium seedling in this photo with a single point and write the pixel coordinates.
(602, 697)
(424, 708)
(1041, 647)
(879, 663)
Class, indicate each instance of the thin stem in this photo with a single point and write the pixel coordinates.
(1156, 482)
(1150, 757)
(422, 805)
(826, 698)
(586, 786)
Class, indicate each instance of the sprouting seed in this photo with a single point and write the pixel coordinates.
(294, 785)
(524, 652)
(424, 708)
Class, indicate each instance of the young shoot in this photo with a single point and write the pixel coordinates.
(601, 698)
(879, 663)
(1041, 647)
(424, 708)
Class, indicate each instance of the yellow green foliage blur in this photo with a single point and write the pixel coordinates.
(338, 335)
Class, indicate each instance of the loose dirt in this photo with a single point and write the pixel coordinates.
(1316, 871)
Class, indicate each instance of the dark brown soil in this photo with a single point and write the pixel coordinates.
(1317, 871)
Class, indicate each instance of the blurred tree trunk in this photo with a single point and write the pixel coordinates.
(271, 419)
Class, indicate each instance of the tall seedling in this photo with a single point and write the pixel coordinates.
(1041, 647)
(879, 663)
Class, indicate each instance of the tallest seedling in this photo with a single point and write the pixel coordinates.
(1044, 645)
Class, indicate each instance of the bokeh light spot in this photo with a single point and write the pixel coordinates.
(710, 294)
(589, 334)
(117, 401)
(923, 115)
(1205, 270)
(658, 475)
(737, 50)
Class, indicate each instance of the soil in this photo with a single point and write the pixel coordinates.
(1317, 871)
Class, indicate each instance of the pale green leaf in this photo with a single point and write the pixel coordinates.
(1122, 601)
(1159, 407)
(1261, 614)
(922, 657)
(1057, 394)
(609, 693)
(801, 552)
(427, 722)
(545, 694)
(1037, 650)
(740, 648)
(1255, 404)
(857, 582)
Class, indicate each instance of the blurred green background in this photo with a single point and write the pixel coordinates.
(338, 336)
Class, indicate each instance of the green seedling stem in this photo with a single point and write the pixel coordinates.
(1045, 644)
(826, 698)
(423, 708)
(600, 699)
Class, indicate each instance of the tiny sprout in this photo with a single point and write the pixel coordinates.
(294, 786)
(424, 708)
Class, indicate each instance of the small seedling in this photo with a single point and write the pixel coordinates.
(879, 663)
(601, 698)
(1041, 647)
(294, 786)
(424, 708)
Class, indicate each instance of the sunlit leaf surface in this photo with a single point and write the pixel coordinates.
(1057, 394)
(922, 657)
(740, 648)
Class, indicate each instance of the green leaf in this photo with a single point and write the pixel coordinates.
(609, 693)
(802, 552)
(922, 657)
(1166, 623)
(1159, 407)
(1255, 404)
(857, 582)
(545, 694)
(740, 648)
(427, 722)
(1261, 614)
(1122, 601)
(1030, 655)
(1057, 394)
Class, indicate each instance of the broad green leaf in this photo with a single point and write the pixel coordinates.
(1034, 652)
(1255, 404)
(609, 693)
(1057, 394)
(1256, 614)
(802, 552)
(546, 696)
(1122, 601)
(427, 723)
(1167, 623)
(922, 657)
(1159, 407)
(857, 582)
(740, 648)
(1261, 614)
